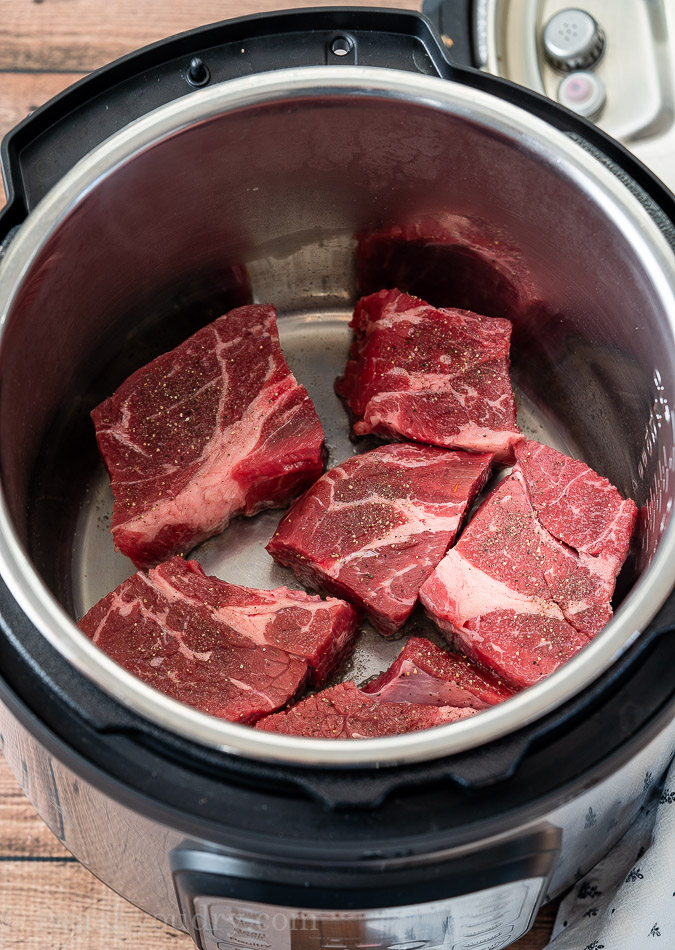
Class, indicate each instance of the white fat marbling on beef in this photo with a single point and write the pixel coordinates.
(217, 427)
(230, 651)
(372, 529)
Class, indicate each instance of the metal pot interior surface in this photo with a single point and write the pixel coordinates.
(256, 190)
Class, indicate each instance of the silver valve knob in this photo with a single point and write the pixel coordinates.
(573, 40)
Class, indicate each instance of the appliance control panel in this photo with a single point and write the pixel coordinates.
(484, 920)
(611, 62)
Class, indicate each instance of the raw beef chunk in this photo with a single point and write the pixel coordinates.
(450, 260)
(423, 673)
(345, 712)
(490, 592)
(437, 376)
(372, 529)
(575, 504)
(215, 428)
(585, 512)
(320, 632)
(516, 598)
(226, 650)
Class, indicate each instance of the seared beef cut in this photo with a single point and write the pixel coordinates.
(226, 650)
(345, 712)
(450, 260)
(436, 376)
(215, 428)
(423, 673)
(514, 597)
(372, 529)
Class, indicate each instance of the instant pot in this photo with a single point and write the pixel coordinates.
(610, 62)
(239, 162)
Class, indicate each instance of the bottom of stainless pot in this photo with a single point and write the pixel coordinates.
(316, 345)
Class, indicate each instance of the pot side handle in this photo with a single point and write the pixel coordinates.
(41, 150)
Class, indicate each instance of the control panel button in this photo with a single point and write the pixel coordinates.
(572, 39)
(583, 93)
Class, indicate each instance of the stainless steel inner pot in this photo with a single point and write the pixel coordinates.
(268, 179)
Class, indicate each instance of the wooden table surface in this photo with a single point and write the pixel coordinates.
(47, 900)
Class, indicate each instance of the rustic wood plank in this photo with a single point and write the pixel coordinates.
(22, 93)
(61, 906)
(80, 35)
(22, 831)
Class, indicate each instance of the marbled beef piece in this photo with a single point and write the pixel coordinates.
(585, 512)
(517, 597)
(433, 375)
(575, 504)
(215, 428)
(490, 596)
(227, 650)
(320, 632)
(345, 712)
(372, 529)
(423, 673)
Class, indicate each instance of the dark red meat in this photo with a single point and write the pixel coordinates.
(226, 650)
(436, 376)
(423, 673)
(345, 712)
(451, 261)
(372, 529)
(513, 596)
(215, 428)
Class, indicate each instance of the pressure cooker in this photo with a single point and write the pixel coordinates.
(610, 62)
(238, 162)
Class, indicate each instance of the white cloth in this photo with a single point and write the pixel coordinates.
(627, 902)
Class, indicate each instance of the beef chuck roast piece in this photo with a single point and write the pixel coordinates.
(512, 595)
(585, 512)
(423, 673)
(450, 260)
(320, 632)
(346, 712)
(575, 504)
(490, 593)
(433, 375)
(372, 529)
(217, 427)
(226, 650)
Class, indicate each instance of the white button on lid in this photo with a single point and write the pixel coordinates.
(583, 93)
(573, 40)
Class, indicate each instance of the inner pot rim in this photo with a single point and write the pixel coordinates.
(550, 145)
